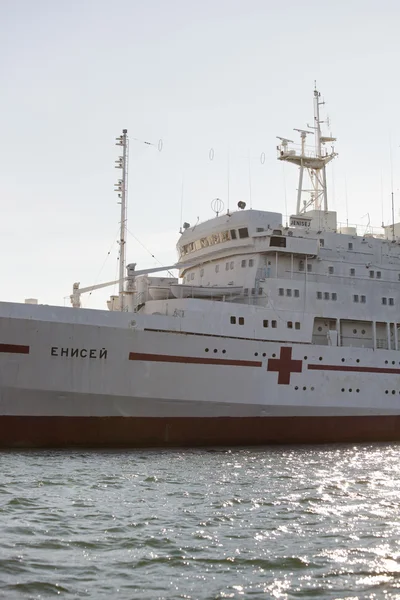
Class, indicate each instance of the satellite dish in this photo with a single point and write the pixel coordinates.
(186, 225)
(241, 205)
(217, 205)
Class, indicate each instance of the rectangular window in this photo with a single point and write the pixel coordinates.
(233, 320)
(233, 234)
(244, 262)
(232, 264)
(201, 272)
(334, 296)
(309, 267)
(259, 229)
(288, 293)
(321, 243)
(290, 324)
(296, 293)
(251, 262)
(277, 241)
(384, 301)
(330, 270)
(391, 301)
(216, 268)
(371, 274)
(253, 291)
(352, 272)
(241, 320)
(260, 291)
(363, 299)
(297, 325)
(273, 324)
(350, 246)
(243, 233)
(355, 298)
(378, 274)
(226, 266)
(281, 291)
(319, 295)
(246, 291)
(301, 266)
(326, 295)
(265, 323)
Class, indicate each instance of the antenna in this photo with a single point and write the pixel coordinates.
(250, 198)
(180, 228)
(391, 183)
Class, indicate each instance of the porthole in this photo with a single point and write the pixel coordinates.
(354, 331)
(223, 351)
(350, 390)
(342, 389)
(386, 391)
(319, 328)
(304, 388)
(386, 362)
(320, 358)
(312, 389)
(393, 391)
(255, 353)
(296, 387)
(305, 358)
(206, 349)
(358, 360)
(264, 354)
(363, 331)
(357, 390)
(215, 350)
(343, 359)
(273, 356)
(393, 362)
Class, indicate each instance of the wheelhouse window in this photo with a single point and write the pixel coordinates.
(265, 323)
(319, 295)
(243, 233)
(330, 270)
(273, 324)
(231, 265)
(233, 234)
(241, 320)
(297, 325)
(378, 274)
(277, 241)
(355, 298)
(350, 246)
(281, 291)
(233, 320)
(371, 274)
(217, 268)
(244, 262)
(334, 296)
(352, 272)
(290, 324)
(226, 266)
(288, 292)
(251, 262)
(309, 267)
(391, 301)
(363, 299)
(326, 295)
(384, 301)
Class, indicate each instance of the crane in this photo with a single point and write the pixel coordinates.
(77, 291)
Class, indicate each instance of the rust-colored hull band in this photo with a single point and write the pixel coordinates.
(14, 349)
(112, 432)
(196, 360)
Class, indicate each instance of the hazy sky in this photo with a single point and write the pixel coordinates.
(223, 74)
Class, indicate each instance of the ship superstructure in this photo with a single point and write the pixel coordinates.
(271, 333)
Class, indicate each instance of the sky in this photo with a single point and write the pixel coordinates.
(226, 75)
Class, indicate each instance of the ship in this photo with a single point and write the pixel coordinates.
(272, 332)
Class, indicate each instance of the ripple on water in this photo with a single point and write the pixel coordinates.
(272, 523)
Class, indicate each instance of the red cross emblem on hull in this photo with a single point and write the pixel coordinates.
(284, 365)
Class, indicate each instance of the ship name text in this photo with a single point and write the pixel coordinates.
(79, 352)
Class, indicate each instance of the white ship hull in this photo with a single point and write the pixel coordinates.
(94, 378)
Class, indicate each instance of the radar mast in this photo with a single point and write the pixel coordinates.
(313, 161)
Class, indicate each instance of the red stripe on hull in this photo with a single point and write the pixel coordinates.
(14, 349)
(109, 432)
(354, 369)
(193, 360)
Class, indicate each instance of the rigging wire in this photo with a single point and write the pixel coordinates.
(147, 250)
(105, 260)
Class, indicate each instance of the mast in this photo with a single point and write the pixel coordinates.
(122, 188)
(313, 161)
